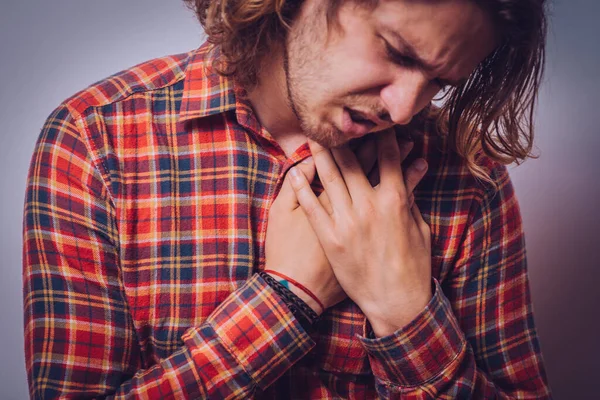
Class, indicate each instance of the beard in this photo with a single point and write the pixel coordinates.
(308, 71)
(304, 67)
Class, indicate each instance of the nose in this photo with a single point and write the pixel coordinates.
(406, 95)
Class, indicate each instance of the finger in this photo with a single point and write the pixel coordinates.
(405, 146)
(390, 171)
(330, 176)
(423, 226)
(325, 202)
(356, 181)
(286, 197)
(413, 174)
(405, 149)
(316, 214)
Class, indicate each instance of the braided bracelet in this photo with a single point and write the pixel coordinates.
(298, 285)
(302, 311)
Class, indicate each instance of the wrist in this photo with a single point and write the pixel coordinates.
(305, 315)
(306, 298)
(299, 290)
(385, 322)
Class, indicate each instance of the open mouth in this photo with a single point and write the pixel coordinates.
(359, 118)
(355, 124)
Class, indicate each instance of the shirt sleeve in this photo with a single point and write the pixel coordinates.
(476, 338)
(80, 341)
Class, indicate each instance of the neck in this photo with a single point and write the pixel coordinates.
(269, 99)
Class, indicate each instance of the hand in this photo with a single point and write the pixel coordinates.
(377, 244)
(291, 246)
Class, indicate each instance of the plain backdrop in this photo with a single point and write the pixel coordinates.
(51, 49)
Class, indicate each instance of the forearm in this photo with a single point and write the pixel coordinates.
(431, 358)
(247, 342)
(238, 348)
(83, 337)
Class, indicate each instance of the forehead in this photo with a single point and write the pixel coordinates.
(448, 34)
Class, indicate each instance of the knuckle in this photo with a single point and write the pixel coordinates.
(396, 199)
(310, 211)
(299, 186)
(402, 202)
(318, 150)
(332, 177)
(336, 245)
(305, 170)
(350, 224)
(368, 210)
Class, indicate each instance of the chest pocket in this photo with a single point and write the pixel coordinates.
(338, 348)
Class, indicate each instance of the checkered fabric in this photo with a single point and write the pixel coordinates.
(144, 226)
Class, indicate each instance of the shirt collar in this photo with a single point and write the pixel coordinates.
(206, 92)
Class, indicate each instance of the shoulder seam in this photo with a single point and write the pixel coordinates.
(117, 80)
(83, 136)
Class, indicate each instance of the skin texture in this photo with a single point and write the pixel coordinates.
(285, 246)
(368, 243)
(329, 68)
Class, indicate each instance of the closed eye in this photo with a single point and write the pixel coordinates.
(397, 57)
(408, 62)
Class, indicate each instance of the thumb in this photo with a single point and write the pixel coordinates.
(287, 195)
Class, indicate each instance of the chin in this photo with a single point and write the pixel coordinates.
(324, 133)
(330, 138)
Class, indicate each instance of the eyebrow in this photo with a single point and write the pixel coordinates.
(410, 51)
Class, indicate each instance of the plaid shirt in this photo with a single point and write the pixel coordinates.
(145, 220)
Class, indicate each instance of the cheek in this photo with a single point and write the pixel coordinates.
(357, 76)
(343, 72)
(363, 70)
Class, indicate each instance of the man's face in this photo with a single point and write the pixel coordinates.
(365, 77)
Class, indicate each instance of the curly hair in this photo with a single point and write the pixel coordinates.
(492, 112)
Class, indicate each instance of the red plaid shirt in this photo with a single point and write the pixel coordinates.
(144, 227)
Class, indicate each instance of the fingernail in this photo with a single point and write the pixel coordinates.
(420, 164)
(295, 174)
(307, 160)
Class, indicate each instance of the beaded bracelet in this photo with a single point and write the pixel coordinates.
(302, 311)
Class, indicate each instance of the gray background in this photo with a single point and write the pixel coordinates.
(50, 50)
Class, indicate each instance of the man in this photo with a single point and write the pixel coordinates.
(174, 247)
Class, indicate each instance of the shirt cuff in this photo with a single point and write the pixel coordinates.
(421, 350)
(258, 330)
